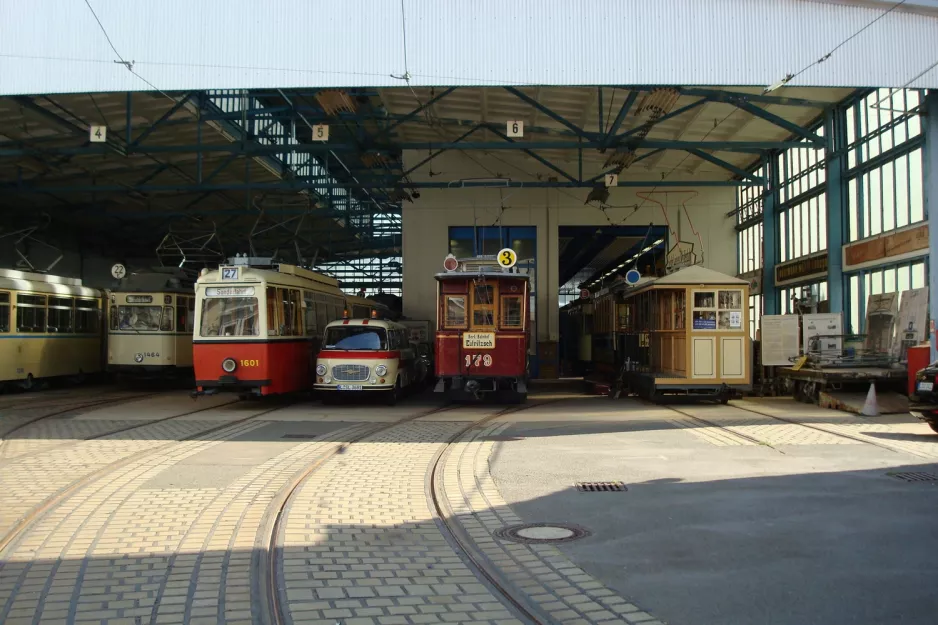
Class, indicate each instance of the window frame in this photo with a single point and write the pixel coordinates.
(445, 316)
(502, 323)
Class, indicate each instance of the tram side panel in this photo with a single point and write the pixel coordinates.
(266, 367)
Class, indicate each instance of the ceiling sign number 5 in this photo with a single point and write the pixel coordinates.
(515, 128)
(320, 132)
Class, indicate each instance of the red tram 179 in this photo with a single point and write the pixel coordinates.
(258, 328)
(482, 328)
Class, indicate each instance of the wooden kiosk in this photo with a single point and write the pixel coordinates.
(687, 333)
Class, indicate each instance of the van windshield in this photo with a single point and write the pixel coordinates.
(356, 338)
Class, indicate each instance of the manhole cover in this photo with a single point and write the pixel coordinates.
(300, 436)
(542, 533)
(601, 487)
(914, 476)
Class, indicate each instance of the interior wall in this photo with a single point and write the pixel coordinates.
(427, 220)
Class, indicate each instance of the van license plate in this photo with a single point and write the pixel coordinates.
(349, 387)
(926, 386)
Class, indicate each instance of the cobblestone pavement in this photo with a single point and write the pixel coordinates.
(901, 433)
(734, 424)
(360, 545)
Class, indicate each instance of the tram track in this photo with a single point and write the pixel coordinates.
(272, 586)
(787, 421)
(31, 518)
(5, 435)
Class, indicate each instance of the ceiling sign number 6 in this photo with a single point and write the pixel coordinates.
(515, 128)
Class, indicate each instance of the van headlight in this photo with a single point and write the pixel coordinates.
(320, 369)
(381, 369)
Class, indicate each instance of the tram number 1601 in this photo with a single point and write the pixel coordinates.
(250, 363)
(478, 360)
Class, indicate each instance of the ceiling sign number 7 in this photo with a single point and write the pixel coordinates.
(320, 132)
(97, 134)
(515, 128)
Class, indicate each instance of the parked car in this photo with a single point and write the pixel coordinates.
(923, 404)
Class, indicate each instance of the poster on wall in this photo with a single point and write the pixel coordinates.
(881, 313)
(911, 329)
(779, 340)
(821, 334)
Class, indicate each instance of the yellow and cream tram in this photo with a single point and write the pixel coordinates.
(150, 321)
(50, 326)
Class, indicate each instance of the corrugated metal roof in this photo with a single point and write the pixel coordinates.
(53, 47)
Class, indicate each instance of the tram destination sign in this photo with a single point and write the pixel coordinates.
(229, 291)
(478, 340)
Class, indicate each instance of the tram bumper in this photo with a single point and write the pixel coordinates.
(230, 384)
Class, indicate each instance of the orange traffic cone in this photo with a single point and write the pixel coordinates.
(870, 409)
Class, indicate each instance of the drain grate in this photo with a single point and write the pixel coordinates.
(601, 487)
(304, 437)
(914, 476)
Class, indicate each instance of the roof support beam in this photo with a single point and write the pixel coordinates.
(318, 184)
(719, 162)
(146, 133)
(717, 95)
(537, 157)
(415, 112)
(663, 118)
(781, 122)
(257, 149)
(620, 117)
(537, 105)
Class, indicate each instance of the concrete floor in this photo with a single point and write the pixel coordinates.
(787, 534)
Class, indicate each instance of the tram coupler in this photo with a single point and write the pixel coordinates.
(203, 392)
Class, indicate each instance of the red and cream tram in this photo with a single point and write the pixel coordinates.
(482, 328)
(259, 326)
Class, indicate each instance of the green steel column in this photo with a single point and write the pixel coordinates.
(930, 175)
(770, 243)
(835, 131)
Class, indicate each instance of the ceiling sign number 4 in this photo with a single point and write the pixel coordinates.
(320, 132)
(515, 128)
(97, 134)
(612, 180)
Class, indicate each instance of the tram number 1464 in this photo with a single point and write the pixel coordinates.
(478, 360)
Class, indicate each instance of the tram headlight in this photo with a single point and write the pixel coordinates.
(229, 365)
(320, 369)
(381, 369)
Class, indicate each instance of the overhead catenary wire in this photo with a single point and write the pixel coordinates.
(788, 78)
(121, 60)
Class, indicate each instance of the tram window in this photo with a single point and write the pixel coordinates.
(455, 311)
(182, 313)
(166, 325)
(30, 313)
(483, 317)
(511, 311)
(483, 294)
(113, 318)
(289, 321)
(138, 318)
(60, 315)
(229, 316)
(309, 315)
(273, 315)
(86, 316)
(4, 312)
